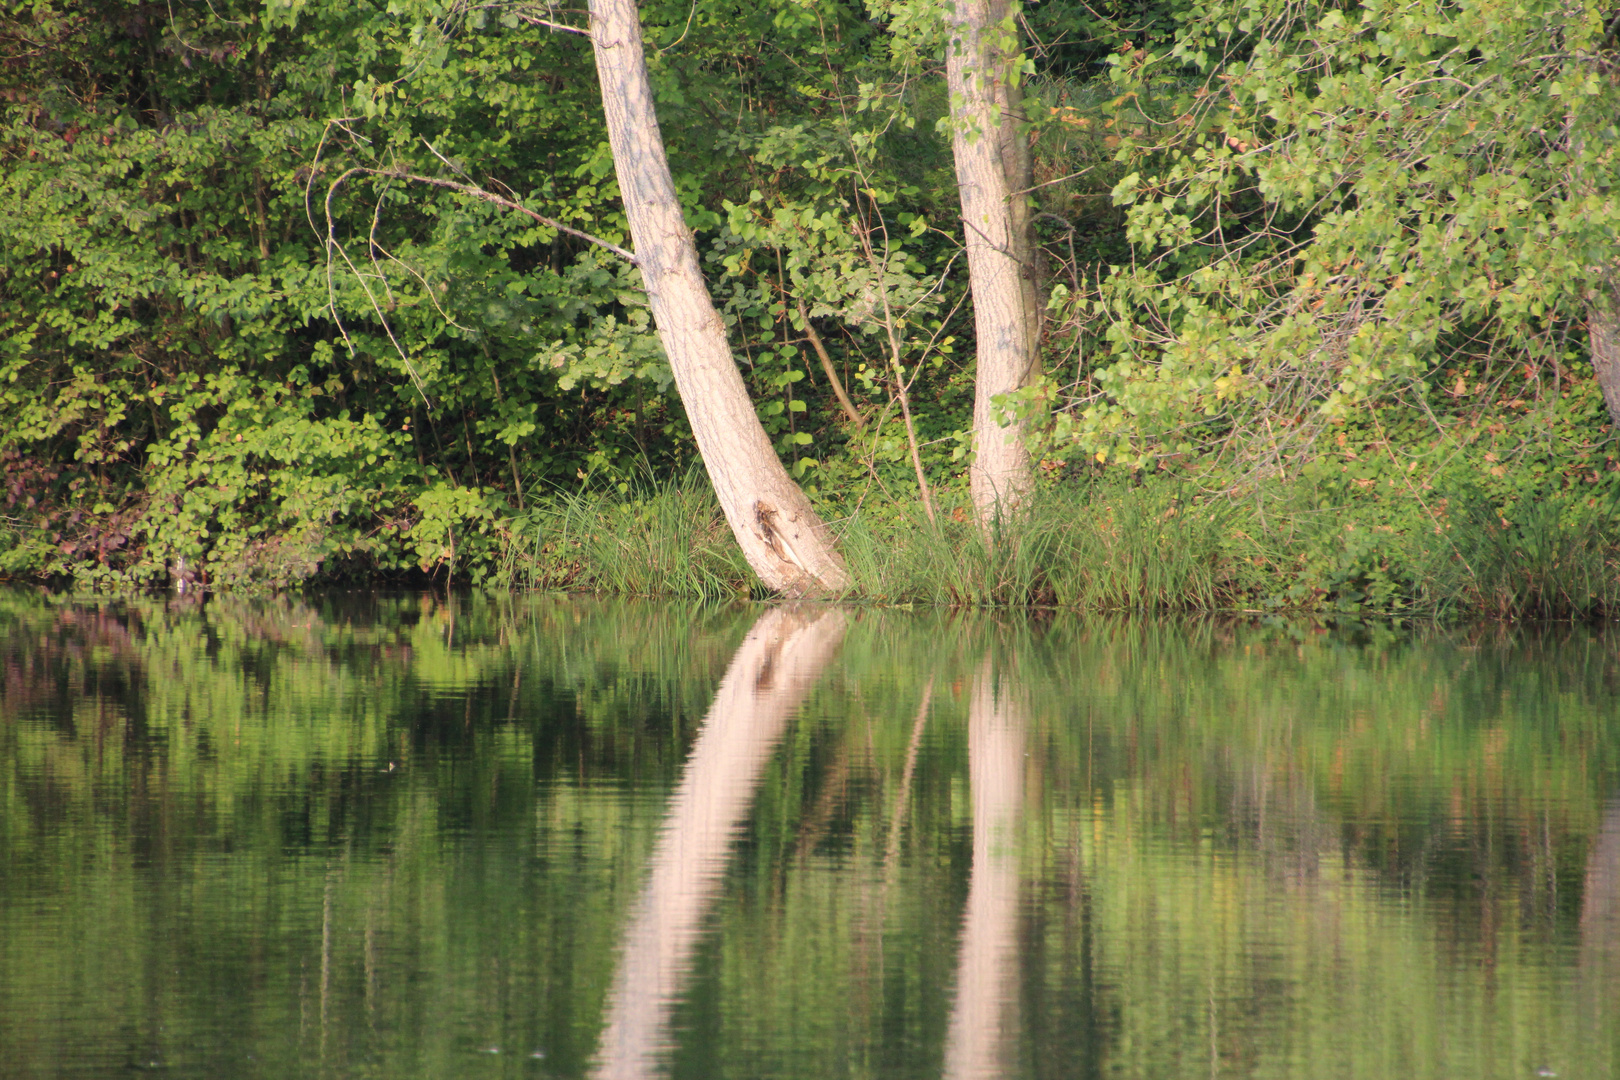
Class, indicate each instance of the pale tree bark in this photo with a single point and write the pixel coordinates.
(1599, 965)
(1602, 300)
(1603, 292)
(785, 542)
(1603, 333)
(977, 1045)
(769, 677)
(993, 174)
(1600, 893)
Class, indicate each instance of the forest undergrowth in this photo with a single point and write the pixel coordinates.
(1481, 498)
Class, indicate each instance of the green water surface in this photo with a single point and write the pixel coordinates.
(443, 837)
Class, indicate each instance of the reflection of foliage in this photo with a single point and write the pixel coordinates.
(421, 822)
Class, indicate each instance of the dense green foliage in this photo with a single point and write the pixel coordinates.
(1321, 272)
(1349, 200)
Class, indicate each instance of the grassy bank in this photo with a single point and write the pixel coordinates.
(1350, 531)
(1461, 502)
(1111, 544)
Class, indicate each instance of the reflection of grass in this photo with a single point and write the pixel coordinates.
(1462, 771)
(1311, 852)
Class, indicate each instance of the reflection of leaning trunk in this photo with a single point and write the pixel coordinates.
(979, 1041)
(769, 677)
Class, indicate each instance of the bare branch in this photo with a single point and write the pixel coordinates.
(502, 201)
(827, 366)
(523, 14)
(334, 245)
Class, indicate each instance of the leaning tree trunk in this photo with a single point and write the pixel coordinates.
(993, 175)
(785, 542)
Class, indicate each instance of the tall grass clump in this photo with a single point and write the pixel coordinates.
(1550, 556)
(899, 557)
(1460, 551)
(1156, 545)
(653, 538)
(1148, 548)
(1115, 549)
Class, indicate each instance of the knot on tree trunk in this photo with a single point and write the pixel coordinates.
(776, 532)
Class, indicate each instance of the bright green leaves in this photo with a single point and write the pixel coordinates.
(1345, 200)
(610, 336)
(180, 343)
(449, 520)
(256, 487)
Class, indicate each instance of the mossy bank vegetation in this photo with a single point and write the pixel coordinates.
(314, 292)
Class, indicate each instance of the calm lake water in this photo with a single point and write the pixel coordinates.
(463, 837)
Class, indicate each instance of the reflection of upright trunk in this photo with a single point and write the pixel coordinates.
(1600, 903)
(993, 177)
(781, 536)
(1599, 965)
(1276, 806)
(987, 978)
(769, 677)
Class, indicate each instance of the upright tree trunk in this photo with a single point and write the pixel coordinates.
(1603, 293)
(785, 542)
(993, 175)
(1603, 331)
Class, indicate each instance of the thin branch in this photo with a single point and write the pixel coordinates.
(549, 25)
(1059, 180)
(500, 200)
(333, 244)
(827, 366)
(677, 41)
(520, 13)
(890, 324)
